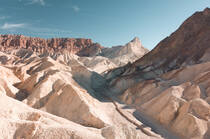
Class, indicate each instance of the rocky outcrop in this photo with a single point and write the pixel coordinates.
(82, 47)
(90, 51)
(98, 64)
(121, 55)
(110, 58)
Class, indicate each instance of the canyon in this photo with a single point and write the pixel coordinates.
(75, 88)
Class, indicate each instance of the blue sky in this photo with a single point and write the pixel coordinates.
(108, 22)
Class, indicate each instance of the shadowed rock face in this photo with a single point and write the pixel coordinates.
(58, 45)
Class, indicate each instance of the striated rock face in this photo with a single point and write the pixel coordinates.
(91, 50)
(54, 45)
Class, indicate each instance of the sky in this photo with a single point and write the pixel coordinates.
(108, 22)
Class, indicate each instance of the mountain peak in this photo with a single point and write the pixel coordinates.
(206, 11)
(134, 43)
(136, 39)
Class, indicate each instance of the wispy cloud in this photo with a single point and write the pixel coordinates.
(76, 8)
(8, 26)
(29, 2)
(41, 2)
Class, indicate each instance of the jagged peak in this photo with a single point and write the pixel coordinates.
(134, 42)
(206, 11)
(135, 39)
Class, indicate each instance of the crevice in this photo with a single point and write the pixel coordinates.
(21, 94)
(141, 127)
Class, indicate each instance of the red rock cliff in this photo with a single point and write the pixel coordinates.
(58, 45)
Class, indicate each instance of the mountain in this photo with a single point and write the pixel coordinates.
(115, 56)
(121, 55)
(170, 84)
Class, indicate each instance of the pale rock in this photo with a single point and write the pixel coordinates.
(208, 92)
(208, 100)
(124, 132)
(188, 125)
(21, 121)
(200, 108)
(121, 55)
(192, 92)
(164, 107)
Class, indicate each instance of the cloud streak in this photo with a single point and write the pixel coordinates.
(30, 2)
(8, 26)
(41, 2)
(76, 8)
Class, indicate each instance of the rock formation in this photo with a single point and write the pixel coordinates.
(121, 55)
(65, 88)
(54, 45)
(92, 55)
(115, 56)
